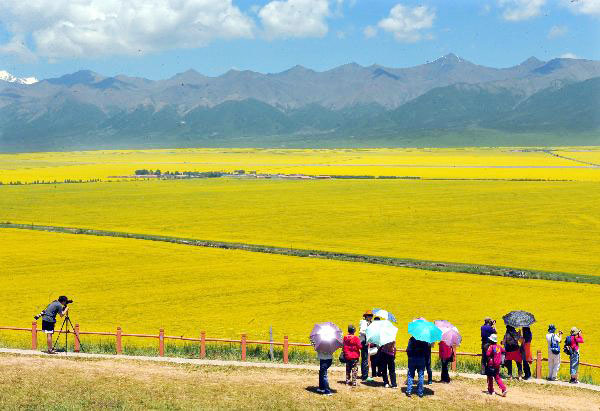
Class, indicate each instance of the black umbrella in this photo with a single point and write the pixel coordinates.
(519, 319)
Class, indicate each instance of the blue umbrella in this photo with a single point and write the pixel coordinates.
(384, 314)
(326, 337)
(424, 331)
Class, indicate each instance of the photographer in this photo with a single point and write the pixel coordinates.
(56, 307)
(488, 328)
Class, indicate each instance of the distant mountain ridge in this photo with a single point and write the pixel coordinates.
(349, 104)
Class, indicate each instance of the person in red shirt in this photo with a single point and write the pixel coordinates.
(447, 356)
(352, 346)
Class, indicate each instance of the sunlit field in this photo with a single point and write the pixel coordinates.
(549, 226)
(144, 285)
(490, 163)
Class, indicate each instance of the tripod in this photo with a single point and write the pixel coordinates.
(68, 327)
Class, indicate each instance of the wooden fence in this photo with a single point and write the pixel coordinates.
(243, 342)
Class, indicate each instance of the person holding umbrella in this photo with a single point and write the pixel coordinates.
(511, 342)
(450, 339)
(380, 334)
(526, 352)
(326, 338)
(446, 356)
(423, 333)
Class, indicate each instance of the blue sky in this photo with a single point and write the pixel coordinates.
(154, 39)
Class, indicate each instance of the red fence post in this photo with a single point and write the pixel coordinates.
(161, 342)
(285, 350)
(77, 345)
(538, 365)
(203, 344)
(119, 343)
(34, 335)
(243, 343)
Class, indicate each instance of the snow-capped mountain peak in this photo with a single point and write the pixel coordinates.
(6, 76)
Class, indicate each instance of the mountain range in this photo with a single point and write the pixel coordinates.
(449, 101)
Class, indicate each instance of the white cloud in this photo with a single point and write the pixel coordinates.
(518, 10)
(295, 18)
(76, 28)
(406, 23)
(557, 31)
(568, 56)
(370, 32)
(591, 7)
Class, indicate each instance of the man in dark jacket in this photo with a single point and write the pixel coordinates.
(488, 328)
(417, 360)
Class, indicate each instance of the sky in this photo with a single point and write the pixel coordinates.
(158, 38)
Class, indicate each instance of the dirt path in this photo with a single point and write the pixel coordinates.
(58, 382)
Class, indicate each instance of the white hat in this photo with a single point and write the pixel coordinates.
(493, 338)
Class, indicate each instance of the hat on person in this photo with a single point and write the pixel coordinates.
(551, 328)
(574, 330)
(487, 320)
(368, 313)
(493, 338)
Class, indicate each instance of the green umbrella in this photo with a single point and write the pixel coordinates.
(381, 332)
(424, 331)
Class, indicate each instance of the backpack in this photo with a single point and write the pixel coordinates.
(554, 346)
(511, 343)
(567, 349)
(497, 358)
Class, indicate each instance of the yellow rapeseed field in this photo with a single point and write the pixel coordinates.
(507, 163)
(144, 285)
(550, 226)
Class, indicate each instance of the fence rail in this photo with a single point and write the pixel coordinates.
(243, 341)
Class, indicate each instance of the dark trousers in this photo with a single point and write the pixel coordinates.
(483, 357)
(375, 369)
(364, 362)
(508, 365)
(323, 381)
(445, 374)
(387, 363)
(428, 367)
(526, 370)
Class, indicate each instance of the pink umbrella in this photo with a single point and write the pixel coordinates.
(450, 334)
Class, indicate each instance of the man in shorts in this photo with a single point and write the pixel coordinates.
(56, 307)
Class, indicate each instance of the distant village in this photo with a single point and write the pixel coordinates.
(243, 174)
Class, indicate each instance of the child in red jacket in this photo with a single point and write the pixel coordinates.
(351, 349)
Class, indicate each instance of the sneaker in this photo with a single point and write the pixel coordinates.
(320, 391)
(421, 395)
(408, 394)
(328, 393)
(504, 393)
(429, 382)
(51, 352)
(387, 386)
(394, 387)
(369, 379)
